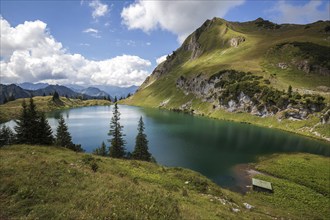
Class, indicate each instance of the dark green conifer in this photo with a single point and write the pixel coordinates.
(63, 137)
(22, 128)
(33, 123)
(56, 96)
(45, 133)
(7, 136)
(102, 151)
(141, 144)
(117, 142)
(290, 91)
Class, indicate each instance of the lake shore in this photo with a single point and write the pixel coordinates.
(12, 109)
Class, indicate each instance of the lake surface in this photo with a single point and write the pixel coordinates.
(211, 147)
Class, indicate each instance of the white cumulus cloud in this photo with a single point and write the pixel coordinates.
(284, 12)
(161, 59)
(99, 9)
(29, 53)
(178, 17)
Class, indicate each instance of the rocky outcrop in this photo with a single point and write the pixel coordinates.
(325, 118)
(235, 41)
(242, 93)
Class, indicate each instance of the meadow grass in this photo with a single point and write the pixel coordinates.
(42, 182)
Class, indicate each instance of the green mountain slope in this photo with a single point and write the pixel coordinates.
(271, 57)
(62, 184)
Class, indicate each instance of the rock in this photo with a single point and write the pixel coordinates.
(234, 42)
(325, 118)
(232, 106)
(248, 206)
(304, 66)
(164, 103)
(235, 210)
(283, 66)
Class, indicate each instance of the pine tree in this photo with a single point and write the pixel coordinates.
(45, 135)
(56, 96)
(290, 91)
(22, 128)
(63, 137)
(102, 151)
(141, 144)
(115, 100)
(117, 142)
(7, 136)
(33, 125)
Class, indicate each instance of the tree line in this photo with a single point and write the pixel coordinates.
(33, 128)
(117, 142)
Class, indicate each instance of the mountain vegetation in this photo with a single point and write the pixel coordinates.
(63, 184)
(225, 68)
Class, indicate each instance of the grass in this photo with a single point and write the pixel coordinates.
(12, 109)
(248, 56)
(61, 184)
(301, 184)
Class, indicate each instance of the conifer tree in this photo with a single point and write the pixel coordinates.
(56, 96)
(63, 137)
(102, 151)
(117, 142)
(33, 123)
(7, 136)
(141, 144)
(290, 90)
(45, 133)
(22, 128)
(115, 100)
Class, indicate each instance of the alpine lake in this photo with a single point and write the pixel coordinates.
(212, 147)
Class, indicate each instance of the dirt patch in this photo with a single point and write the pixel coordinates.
(243, 174)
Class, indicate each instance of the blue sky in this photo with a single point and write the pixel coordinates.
(116, 42)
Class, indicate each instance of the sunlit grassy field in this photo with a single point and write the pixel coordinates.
(62, 184)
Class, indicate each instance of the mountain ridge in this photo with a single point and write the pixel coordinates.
(274, 57)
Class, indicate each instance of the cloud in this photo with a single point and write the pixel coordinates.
(284, 12)
(178, 17)
(29, 53)
(93, 32)
(90, 30)
(161, 59)
(99, 9)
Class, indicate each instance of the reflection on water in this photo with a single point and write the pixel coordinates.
(211, 147)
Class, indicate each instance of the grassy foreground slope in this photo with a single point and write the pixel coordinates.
(61, 184)
(265, 48)
(12, 109)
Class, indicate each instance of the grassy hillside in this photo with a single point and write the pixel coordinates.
(62, 184)
(12, 109)
(296, 55)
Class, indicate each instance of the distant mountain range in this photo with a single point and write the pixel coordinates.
(12, 91)
(95, 90)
